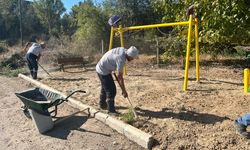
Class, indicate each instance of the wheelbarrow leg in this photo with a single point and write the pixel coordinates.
(54, 111)
(26, 111)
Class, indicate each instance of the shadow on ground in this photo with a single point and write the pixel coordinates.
(203, 118)
(62, 129)
(67, 79)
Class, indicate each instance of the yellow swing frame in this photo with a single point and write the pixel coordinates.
(192, 21)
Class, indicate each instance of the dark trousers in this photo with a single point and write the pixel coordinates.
(32, 64)
(108, 92)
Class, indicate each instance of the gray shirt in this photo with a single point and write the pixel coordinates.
(35, 49)
(113, 60)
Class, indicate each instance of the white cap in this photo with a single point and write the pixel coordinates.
(42, 43)
(133, 52)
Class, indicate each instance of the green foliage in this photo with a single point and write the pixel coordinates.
(9, 22)
(173, 46)
(12, 66)
(31, 23)
(226, 21)
(3, 48)
(7, 71)
(133, 12)
(14, 62)
(68, 24)
(92, 26)
(223, 21)
(128, 117)
(49, 13)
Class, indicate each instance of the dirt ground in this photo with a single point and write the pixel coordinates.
(75, 133)
(201, 118)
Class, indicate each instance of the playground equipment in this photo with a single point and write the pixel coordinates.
(192, 21)
(246, 80)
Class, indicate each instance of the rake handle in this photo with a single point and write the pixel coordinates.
(43, 69)
(133, 109)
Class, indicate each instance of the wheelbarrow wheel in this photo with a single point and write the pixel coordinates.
(26, 112)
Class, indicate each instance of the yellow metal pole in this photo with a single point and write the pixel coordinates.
(122, 45)
(156, 25)
(188, 52)
(246, 80)
(111, 38)
(197, 50)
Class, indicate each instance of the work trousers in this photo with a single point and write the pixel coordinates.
(108, 92)
(32, 64)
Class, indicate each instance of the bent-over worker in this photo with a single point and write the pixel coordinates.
(113, 60)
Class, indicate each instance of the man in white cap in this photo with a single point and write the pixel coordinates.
(113, 60)
(32, 56)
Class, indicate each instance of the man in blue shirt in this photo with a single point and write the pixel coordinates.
(113, 60)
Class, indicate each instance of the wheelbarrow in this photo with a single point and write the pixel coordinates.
(41, 100)
(37, 102)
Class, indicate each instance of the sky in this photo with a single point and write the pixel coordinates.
(69, 3)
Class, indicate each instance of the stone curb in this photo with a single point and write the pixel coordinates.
(132, 133)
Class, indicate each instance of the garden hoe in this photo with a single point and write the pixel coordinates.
(133, 109)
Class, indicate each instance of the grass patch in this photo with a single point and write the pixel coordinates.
(7, 71)
(128, 117)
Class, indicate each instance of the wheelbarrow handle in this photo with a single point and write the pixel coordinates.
(81, 91)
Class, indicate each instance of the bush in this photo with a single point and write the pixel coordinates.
(7, 71)
(128, 117)
(14, 62)
(173, 47)
(3, 48)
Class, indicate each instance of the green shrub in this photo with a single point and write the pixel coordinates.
(7, 71)
(128, 117)
(14, 62)
(173, 47)
(3, 49)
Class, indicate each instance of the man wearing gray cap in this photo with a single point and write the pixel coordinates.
(113, 60)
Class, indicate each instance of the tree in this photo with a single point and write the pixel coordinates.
(31, 23)
(9, 22)
(133, 12)
(92, 25)
(224, 21)
(49, 13)
(68, 24)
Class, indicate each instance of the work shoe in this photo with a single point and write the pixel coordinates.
(241, 129)
(113, 113)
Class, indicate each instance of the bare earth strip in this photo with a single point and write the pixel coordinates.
(78, 132)
(201, 118)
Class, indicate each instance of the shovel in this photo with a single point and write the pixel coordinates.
(133, 109)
